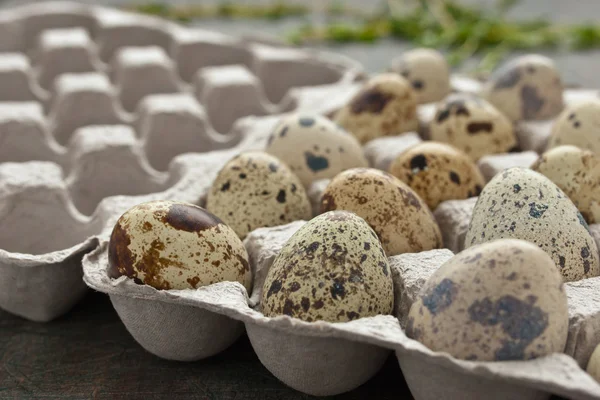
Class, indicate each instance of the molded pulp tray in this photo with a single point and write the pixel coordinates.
(98, 107)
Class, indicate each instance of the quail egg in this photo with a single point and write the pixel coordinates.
(498, 301)
(577, 173)
(427, 71)
(526, 88)
(314, 147)
(472, 125)
(255, 190)
(385, 106)
(174, 245)
(401, 219)
(522, 204)
(438, 172)
(332, 269)
(578, 125)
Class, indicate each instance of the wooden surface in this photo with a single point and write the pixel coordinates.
(89, 354)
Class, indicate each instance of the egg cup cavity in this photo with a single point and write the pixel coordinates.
(183, 325)
(287, 346)
(43, 240)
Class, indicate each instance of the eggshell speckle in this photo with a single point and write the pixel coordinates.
(173, 245)
(255, 190)
(497, 301)
(472, 125)
(427, 71)
(577, 173)
(438, 172)
(523, 204)
(314, 147)
(526, 88)
(400, 217)
(578, 125)
(333, 269)
(385, 106)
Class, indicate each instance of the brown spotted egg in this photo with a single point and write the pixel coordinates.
(314, 147)
(332, 269)
(427, 71)
(385, 106)
(577, 173)
(578, 125)
(438, 172)
(522, 204)
(174, 245)
(499, 301)
(526, 88)
(472, 125)
(255, 190)
(401, 219)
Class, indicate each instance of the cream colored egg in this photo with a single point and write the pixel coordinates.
(499, 301)
(522, 204)
(578, 125)
(332, 269)
(438, 172)
(577, 173)
(427, 71)
(398, 215)
(255, 190)
(385, 106)
(472, 125)
(593, 367)
(526, 88)
(314, 147)
(174, 245)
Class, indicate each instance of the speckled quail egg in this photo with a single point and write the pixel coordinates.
(174, 245)
(255, 190)
(385, 106)
(438, 172)
(499, 301)
(593, 367)
(401, 219)
(472, 125)
(314, 147)
(578, 125)
(577, 173)
(526, 88)
(523, 204)
(332, 269)
(427, 71)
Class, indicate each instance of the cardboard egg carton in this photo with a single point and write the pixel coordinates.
(97, 102)
(84, 141)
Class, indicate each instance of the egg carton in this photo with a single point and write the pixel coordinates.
(58, 211)
(98, 102)
(322, 358)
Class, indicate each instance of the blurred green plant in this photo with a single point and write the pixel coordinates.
(462, 31)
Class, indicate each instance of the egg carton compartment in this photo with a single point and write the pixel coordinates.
(143, 55)
(322, 358)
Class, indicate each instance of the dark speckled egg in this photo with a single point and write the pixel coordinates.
(255, 190)
(314, 147)
(400, 217)
(332, 269)
(499, 301)
(438, 172)
(523, 204)
(385, 106)
(174, 245)
(578, 125)
(526, 88)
